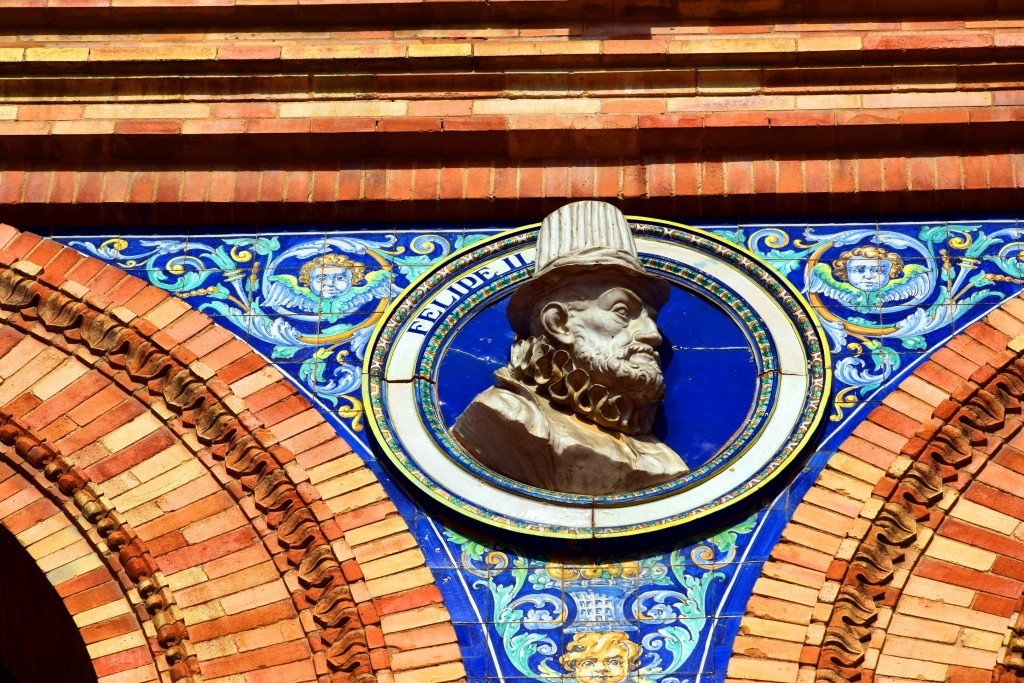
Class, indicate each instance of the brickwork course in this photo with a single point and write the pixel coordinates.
(166, 112)
(200, 520)
(208, 549)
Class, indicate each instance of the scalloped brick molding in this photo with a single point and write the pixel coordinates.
(120, 395)
(904, 560)
(88, 577)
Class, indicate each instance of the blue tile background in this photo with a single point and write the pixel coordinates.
(500, 594)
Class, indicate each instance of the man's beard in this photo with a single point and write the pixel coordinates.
(607, 390)
(642, 381)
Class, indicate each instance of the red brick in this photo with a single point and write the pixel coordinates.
(582, 181)
(219, 546)
(272, 186)
(895, 174)
(982, 538)
(85, 270)
(975, 170)
(993, 604)
(926, 41)
(243, 621)
(115, 186)
(922, 173)
(89, 187)
(30, 515)
(996, 500)
(247, 52)
(963, 674)
(1000, 171)
(124, 290)
(712, 182)
(556, 181)
(247, 186)
(739, 177)
(348, 183)
(375, 183)
(11, 185)
(62, 190)
(400, 602)
(94, 597)
(194, 186)
(277, 126)
(968, 578)
(122, 661)
(256, 659)
(325, 186)
(791, 176)
(111, 628)
(425, 182)
(634, 181)
(222, 186)
(141, 450)
(764, 176)
(94, 427)
(37, 187)
(948, 173)
(816, 172)
(147, 127)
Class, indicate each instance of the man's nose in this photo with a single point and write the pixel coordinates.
(647, 330)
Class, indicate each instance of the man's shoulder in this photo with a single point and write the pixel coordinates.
(508, 408)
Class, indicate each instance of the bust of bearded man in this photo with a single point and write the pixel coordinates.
(573, 409)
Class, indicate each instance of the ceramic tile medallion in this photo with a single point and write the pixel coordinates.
(440, 342)
(665, 608)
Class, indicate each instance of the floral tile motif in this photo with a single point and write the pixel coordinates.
(888, 293)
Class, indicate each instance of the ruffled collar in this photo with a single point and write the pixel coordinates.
(555, 375)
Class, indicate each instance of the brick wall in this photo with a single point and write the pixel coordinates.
(115, 114)
(904, 560)
(163, 113)
(226, 530)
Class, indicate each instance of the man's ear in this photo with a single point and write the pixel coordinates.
(554, 320)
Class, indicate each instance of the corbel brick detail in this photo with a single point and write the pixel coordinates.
(89, 578)
(903, 560)
(283, 551)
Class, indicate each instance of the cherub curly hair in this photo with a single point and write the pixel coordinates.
(592, 643)
(868, 252)
(358, 270)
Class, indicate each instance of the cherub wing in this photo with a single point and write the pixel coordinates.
(284, 291)
(821, 280)
(915, 283)
(379, 285)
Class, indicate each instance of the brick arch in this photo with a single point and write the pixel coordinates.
(905, 558)
(87, 579)
(218, 465)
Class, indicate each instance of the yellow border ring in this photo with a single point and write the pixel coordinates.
(410, 339)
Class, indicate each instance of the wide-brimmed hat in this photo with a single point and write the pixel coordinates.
(582, 238)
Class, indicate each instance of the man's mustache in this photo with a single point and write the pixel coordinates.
(639, 349)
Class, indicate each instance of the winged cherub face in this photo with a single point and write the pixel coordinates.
(600, 657)
(329, 281)
(868, 275)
